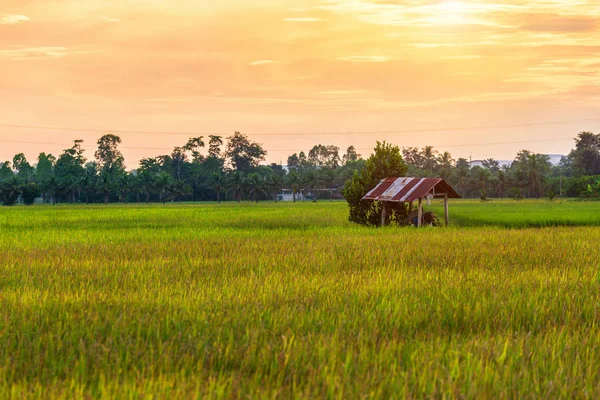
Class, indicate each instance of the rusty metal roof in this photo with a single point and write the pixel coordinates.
(410, 189)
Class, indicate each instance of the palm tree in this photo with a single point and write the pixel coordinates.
(179, 189)
(327, 177)
(68, 185)
(162, 185)
(124, 184)
(481, 175)
(491, 164)
(236, 184)
(105, 185)
(52, 187)
(430, 159)
(256, 185)
(537, 166)
(275, 183)
(312, 181)
(216, 182)
(463, 179)
(146, 182)
(501, 183)
(85, 183)
(11, 190)
(294, 181)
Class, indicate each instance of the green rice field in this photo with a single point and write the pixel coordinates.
(292, 301)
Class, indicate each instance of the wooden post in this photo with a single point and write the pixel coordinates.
(446, 208)
(384, 213)
(420, 216)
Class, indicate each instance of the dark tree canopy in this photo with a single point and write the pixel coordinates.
(243, 153)
(586, 155)
(109, 157)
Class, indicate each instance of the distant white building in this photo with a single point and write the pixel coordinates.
(288, 195)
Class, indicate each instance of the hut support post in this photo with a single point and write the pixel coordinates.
(384, 213)
(446, 209)
(420, 216)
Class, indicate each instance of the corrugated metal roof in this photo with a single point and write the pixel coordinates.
(410, 189)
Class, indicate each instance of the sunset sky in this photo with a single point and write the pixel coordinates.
(411, 70)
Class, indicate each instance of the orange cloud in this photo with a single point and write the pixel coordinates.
(296, 66)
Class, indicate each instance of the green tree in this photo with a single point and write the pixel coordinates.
(105, 185)
(274, 183)
(350, 156)
(430, 160)
(29, 192)
(586, 155)
(214, 146)
(6, 171)
(162, 185)
(10, 190)
(24, 170)
(178, 158)
(43, 171)
(217, 181)
(538, 166)
(243, 154)
(69, 169)
(109, 157)
(236, 183)
(180, 189)
(294, 180)
(194, 145)
(52, 187)
(256, 186)
(146, 182)
(124, 186)
(386, 161)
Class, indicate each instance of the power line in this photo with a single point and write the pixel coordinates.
(296, 150)
(53, 128)
(62, 144)
(431, 130)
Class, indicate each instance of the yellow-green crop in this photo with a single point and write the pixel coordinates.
(292, 301)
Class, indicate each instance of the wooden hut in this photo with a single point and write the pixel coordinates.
(409, 190)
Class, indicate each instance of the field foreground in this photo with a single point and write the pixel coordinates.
(288, 301)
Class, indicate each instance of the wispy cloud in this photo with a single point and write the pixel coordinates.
(261, 62)
(341, 92)
(28, 53)
(302, 19)
(110, 20)
(366, 59)
(35, 53)
(7, 19)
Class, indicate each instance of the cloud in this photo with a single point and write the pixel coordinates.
(12, 19)
(28, 53)
(36, 53)
(463, 57)
(341, 92)
(302, 19)
(369, 59)
(558, 23)
(261, 62)
(110, 20)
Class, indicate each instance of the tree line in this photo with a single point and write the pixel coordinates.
(232, 168)
(528, 175)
